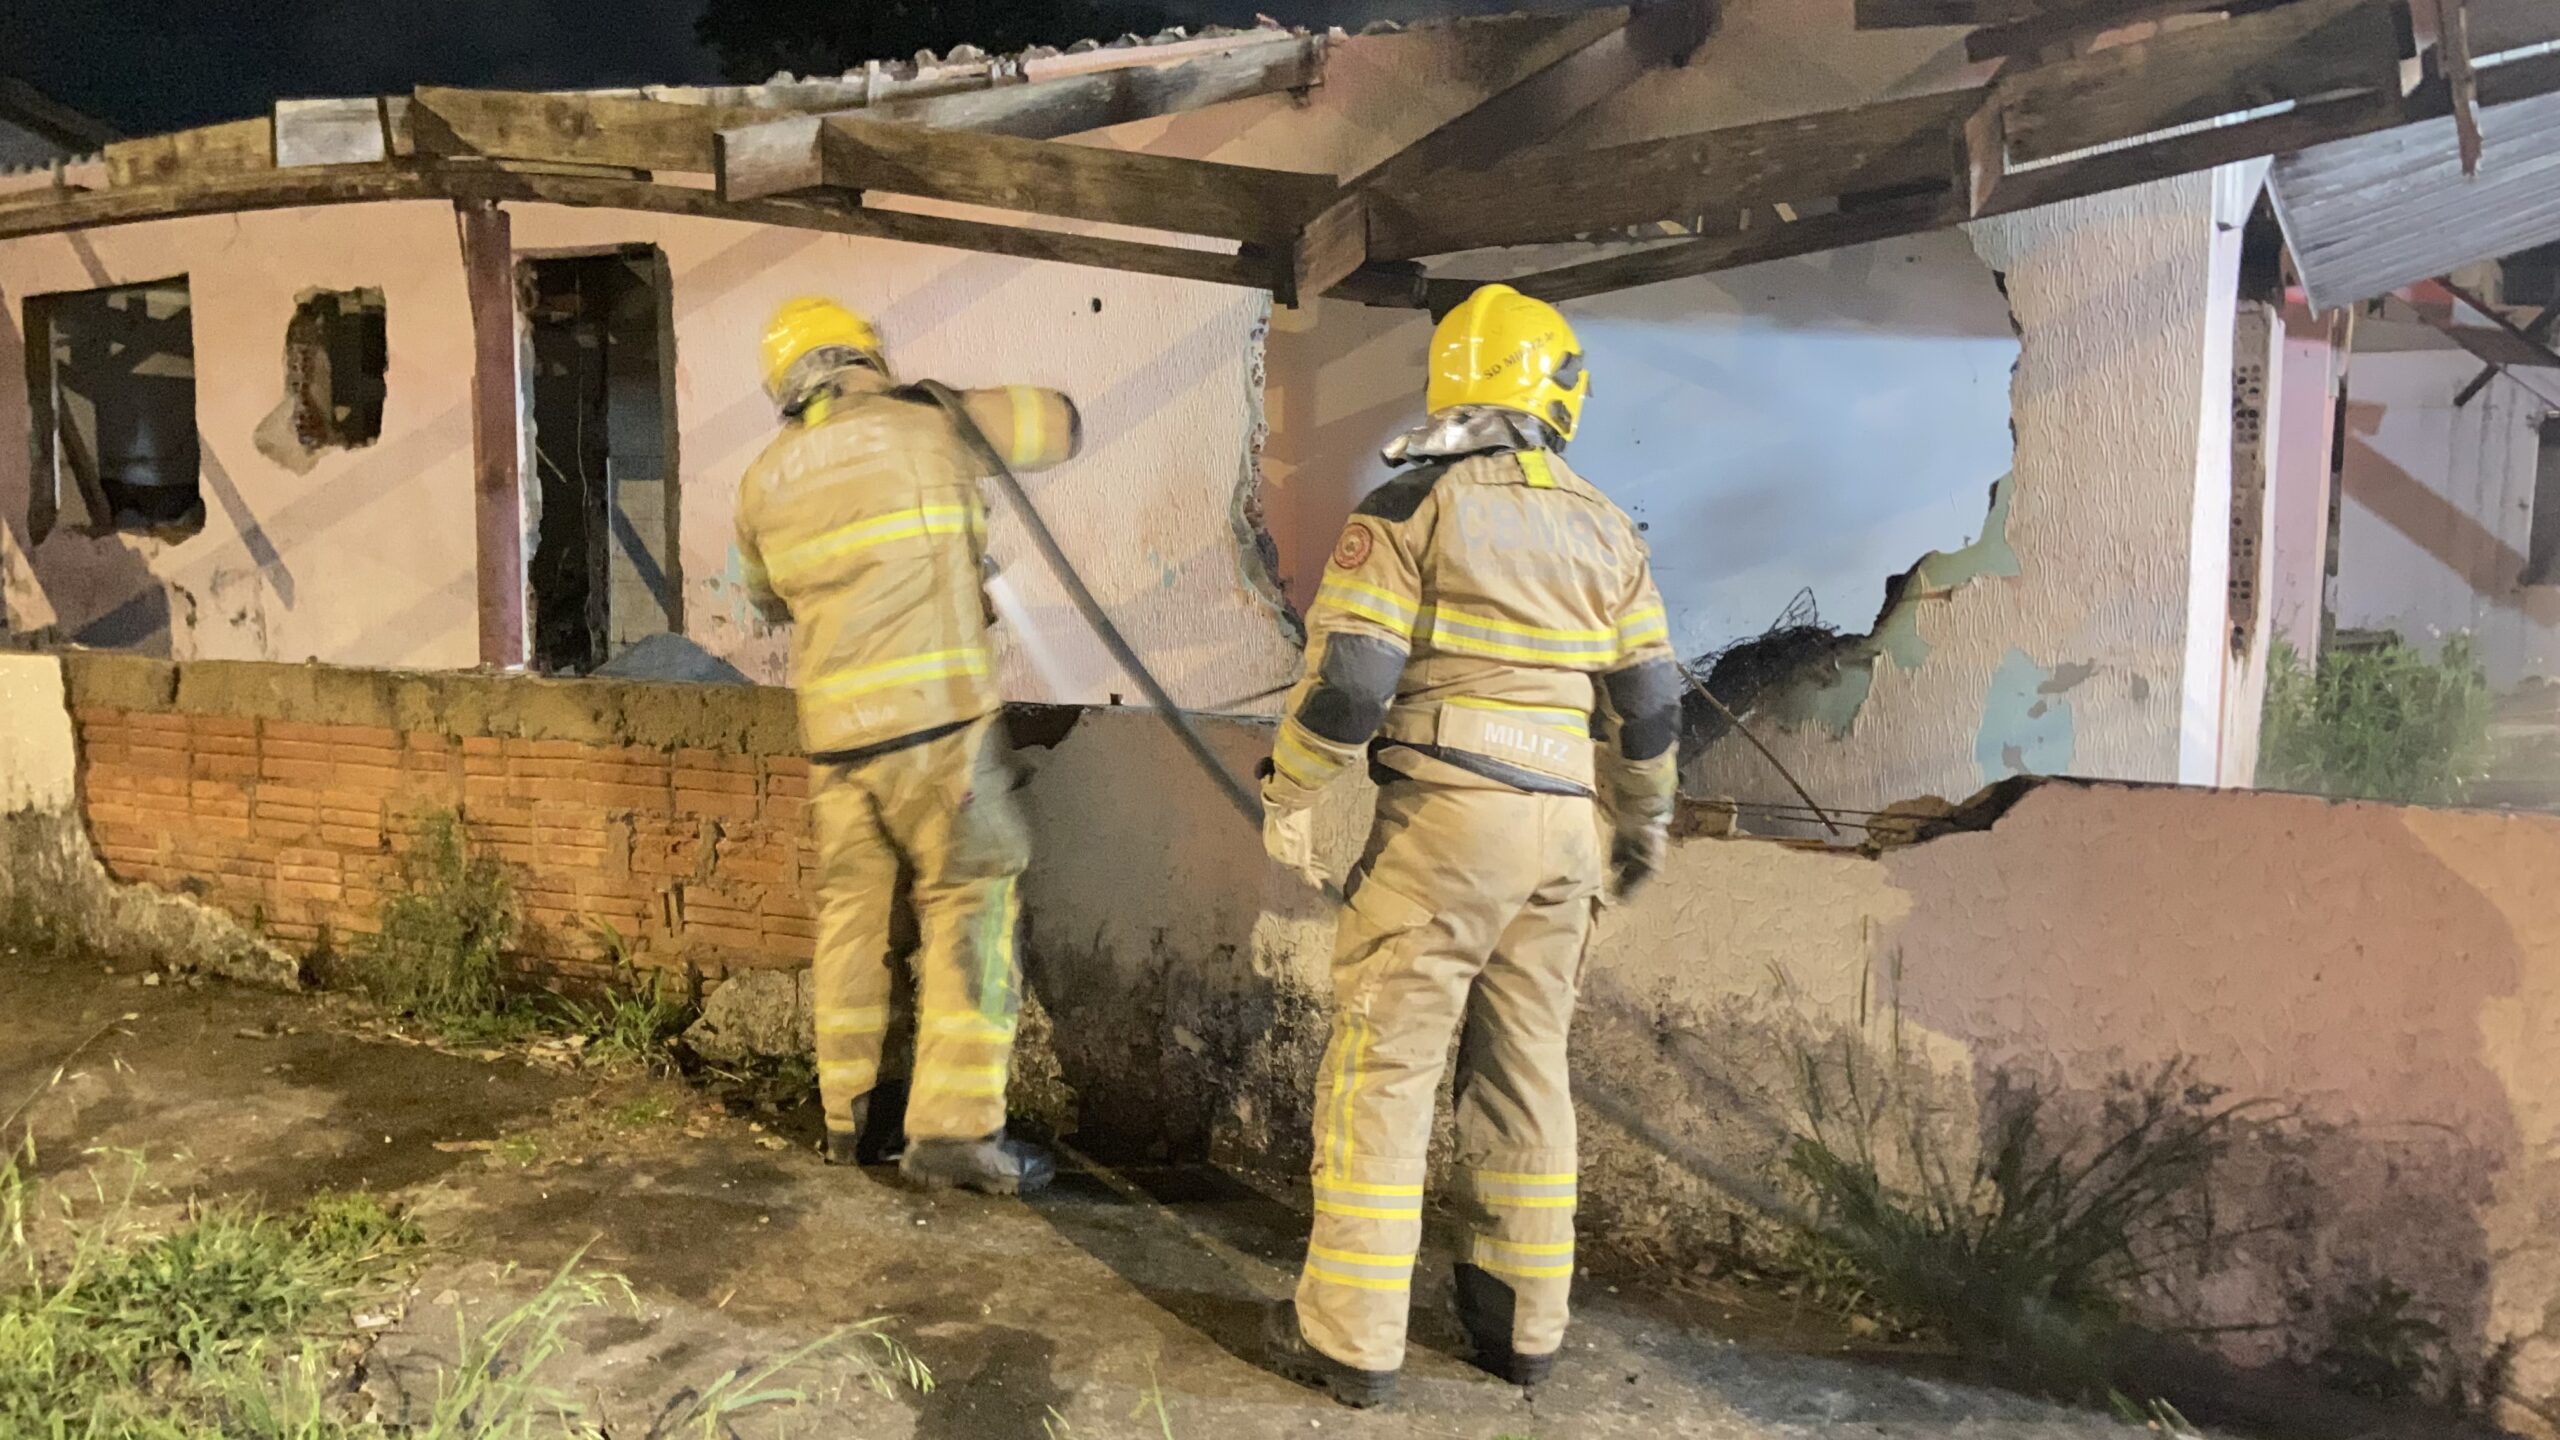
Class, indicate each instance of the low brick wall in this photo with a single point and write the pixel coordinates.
(676, 815)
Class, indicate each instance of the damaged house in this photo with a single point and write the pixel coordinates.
(2010, 329)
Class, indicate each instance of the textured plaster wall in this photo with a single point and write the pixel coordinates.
(2389, 974)
(2071, 648)
(2438, 504)
(294, 565)
(365, 559)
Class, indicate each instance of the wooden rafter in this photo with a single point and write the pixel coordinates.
(2300, 52)
(358, 184)
(1802, 159)
(630, 132)
(2064, 22)
(1046, 109)
(1782, 240)
(1928, 14)
(1603, 53)
(1041, 177)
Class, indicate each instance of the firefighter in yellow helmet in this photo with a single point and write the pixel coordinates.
(862, 526)
(1488, 637)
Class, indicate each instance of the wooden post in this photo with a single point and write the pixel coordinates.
(488, 268)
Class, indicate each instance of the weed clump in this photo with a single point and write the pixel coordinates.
(441, 959)
(441, 953)
(2380, 722)
(2030, 1254)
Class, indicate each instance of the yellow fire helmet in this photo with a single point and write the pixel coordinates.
(802, 328)
(1499, 347)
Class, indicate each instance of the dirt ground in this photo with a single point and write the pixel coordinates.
(1072, 1315)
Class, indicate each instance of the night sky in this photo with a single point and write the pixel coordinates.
(150, 65)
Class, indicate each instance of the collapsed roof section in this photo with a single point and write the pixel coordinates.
(981, 153)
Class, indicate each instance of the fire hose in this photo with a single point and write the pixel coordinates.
(1238, 794)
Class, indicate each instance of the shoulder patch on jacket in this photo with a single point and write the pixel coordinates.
(1396, 501)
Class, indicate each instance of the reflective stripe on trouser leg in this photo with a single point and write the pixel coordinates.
(1408, 943)
(849, 979)
(967, 842)
(1515, 1124)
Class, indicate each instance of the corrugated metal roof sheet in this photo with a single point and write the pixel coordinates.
(2367, 215)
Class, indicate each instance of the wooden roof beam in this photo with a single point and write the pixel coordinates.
(1047, 109)
(1802, 159)
(629, 132)
(1607, 51)
(358, 184)
(840, 153)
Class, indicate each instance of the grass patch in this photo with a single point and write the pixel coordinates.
(2032, 1253)
(2381, 722)
(236, 1324)
(636, 1021)
(108, 1333)
(641, 1114)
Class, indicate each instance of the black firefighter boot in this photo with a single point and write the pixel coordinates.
(1285, 1349)
(996, 1165)
(1485, 1307)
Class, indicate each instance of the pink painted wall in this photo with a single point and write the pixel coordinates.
(366, 559)
(2392, 975)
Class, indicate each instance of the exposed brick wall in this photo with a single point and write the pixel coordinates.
(697, 856)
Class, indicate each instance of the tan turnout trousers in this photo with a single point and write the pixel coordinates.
(1471, 915)
(942, 812)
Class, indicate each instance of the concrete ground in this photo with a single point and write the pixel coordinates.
(1073, 1315)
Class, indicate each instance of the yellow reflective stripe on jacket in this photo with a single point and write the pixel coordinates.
(914, 669)
(1464, 632)
(1645, 625)
(800, 559)
(1534, 468)
(863, 1020)
(1027, 445)
(1577, 721)
(1369, 602)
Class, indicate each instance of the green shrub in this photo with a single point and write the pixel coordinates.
(441, 953)
(2028, 1256)
(2376, 723)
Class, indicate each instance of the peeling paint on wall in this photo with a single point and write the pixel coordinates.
(2026, 724)
(1941, 573)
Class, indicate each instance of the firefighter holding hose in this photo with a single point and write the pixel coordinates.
(861, 525)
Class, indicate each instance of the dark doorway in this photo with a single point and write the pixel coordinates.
(604, 574)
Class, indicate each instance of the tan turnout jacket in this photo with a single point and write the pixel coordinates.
(1514, 587)
(863, 525)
